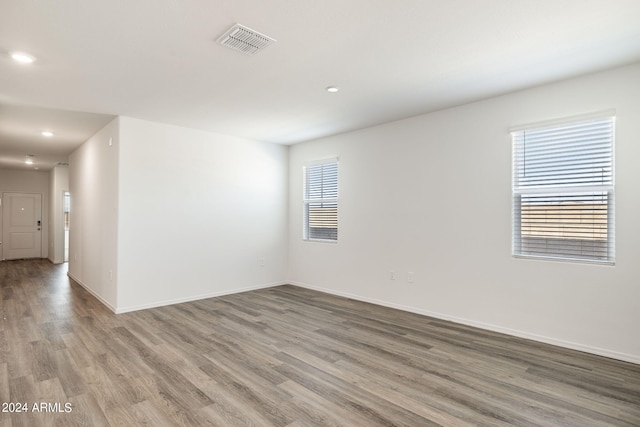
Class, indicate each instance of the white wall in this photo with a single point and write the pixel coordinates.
(432, 195)
(197, 211)
(93, 227)
(58, 184)
(17, 181)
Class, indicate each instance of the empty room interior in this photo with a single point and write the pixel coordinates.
(310, 213)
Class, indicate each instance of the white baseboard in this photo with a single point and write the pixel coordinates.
(195, 298)
(92, 292)
(534, 337)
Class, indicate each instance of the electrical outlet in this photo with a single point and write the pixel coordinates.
(392, 275)
(410, 277)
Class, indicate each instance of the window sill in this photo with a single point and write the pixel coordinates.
(320, 241)
(569, 260)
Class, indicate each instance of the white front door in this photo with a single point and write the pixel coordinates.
(21, 225)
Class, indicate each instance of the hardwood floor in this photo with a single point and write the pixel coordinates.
(283, 356)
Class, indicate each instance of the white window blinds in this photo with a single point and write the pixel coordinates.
(563, 191)
(320, 198)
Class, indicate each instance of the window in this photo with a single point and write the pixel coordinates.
(563, 191)
(320, 200)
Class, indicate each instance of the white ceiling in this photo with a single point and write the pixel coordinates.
(158, 60)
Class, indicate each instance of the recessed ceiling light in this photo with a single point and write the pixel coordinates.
(47, 133)
(332, 89)
(23, 58)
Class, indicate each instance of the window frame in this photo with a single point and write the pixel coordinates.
(563, 192)
(308, 200)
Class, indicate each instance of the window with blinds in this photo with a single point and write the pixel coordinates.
(563, 191)
(320, 198)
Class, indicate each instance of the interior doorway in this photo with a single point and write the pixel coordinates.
(66, 213)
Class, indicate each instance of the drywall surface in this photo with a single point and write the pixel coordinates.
(200, 214)
(93, 229)
(431, 195)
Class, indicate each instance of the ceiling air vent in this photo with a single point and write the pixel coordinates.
(245, 40)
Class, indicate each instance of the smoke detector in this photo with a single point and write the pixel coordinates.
(245, 40)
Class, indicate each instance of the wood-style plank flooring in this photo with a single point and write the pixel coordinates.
(283, 356)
